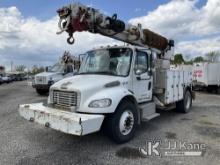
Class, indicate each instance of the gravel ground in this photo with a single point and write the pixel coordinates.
(22, 142)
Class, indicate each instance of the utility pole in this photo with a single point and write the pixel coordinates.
(11, 65)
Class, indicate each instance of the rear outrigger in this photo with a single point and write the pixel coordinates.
(117, 87)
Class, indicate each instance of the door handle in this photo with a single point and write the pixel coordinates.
(149, 85)
(138, 78)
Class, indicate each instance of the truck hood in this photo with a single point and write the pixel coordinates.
(85, 82)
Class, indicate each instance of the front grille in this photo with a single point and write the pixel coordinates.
(41, 80)
(65, 99)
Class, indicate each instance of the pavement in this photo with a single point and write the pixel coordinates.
(25, 143)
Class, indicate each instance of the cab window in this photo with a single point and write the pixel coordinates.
(141, 62)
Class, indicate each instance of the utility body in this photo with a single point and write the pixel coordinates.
(116, 87)
(206, 76)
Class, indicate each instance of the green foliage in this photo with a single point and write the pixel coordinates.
(190, 62)
(20, 68)
(35, 69)
(178, 59)
(199, 59)
(213, 56)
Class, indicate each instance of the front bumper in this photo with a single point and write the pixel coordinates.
(41, 86)
(198, 84)
(67, 122)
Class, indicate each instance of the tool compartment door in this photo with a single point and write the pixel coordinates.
(175, 85)
(169, 89)
(180, 85)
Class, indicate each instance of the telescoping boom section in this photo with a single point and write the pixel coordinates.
(78, 18)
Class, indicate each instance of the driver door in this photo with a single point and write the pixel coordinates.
(142, 80)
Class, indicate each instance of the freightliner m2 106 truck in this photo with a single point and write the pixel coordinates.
(117, 87)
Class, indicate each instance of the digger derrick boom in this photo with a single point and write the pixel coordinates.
(77, 18)
(154, 40)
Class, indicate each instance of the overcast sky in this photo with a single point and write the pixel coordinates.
(28, 27)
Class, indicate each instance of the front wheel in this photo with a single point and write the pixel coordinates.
(185, 104)
(121, 125)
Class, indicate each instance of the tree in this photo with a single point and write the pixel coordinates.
(190, 62)
(212, 56)
(20, 68)
(199, 59)
(36, 69)
(178, 59)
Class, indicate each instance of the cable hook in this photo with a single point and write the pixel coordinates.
(70, 39)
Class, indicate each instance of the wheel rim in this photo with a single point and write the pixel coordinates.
(126, 122)
(188, 101)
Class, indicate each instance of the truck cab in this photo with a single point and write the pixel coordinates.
(109, 74)
(114, 88)
(66, 67)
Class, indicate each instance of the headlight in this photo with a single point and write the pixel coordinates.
(100, 103)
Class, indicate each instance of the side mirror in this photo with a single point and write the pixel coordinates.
(141, 76)
(138, 72)
(64, 72)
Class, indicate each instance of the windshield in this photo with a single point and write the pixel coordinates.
(56, 68)
(114, 61)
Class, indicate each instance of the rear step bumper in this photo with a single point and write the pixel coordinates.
(67, 122)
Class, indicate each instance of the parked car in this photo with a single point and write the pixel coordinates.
(6, 79)
(12, 77)
(1, 81)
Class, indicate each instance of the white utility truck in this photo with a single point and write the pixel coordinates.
(206, 76)
(66, 67)
(117, 87)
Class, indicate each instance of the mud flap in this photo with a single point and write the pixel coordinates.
(193, 95)
(64, 121)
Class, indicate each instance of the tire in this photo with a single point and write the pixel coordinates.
(218, 90)
(184, 105)
(42, 92)
(125, 114)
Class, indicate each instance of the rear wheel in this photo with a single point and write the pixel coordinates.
(218, 90)
(42, 92)
(185, 104)
(121, 125)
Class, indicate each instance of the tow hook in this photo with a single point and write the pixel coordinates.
(80, 123)
(47, 124)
